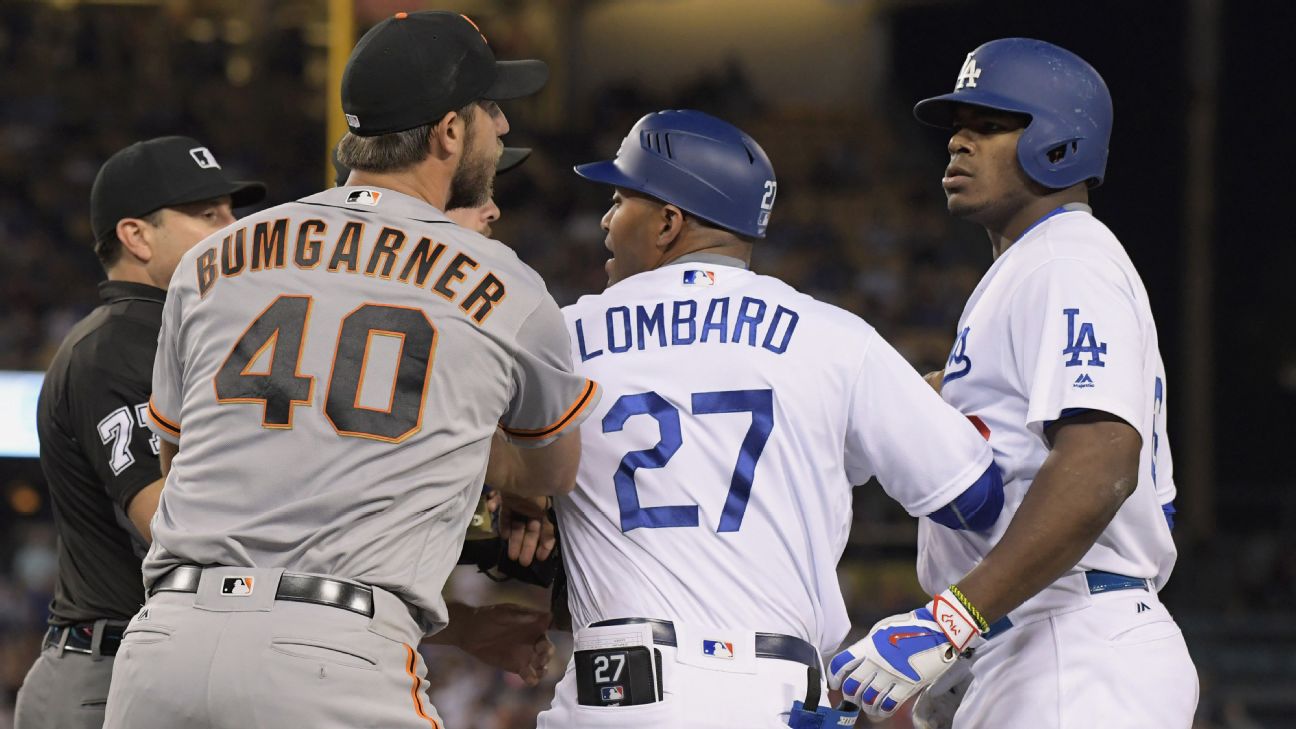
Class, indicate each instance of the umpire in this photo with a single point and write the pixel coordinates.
(150, 203)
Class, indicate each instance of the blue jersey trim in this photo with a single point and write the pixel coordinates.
(1169, 511)
(1066, 413)
(978, 507)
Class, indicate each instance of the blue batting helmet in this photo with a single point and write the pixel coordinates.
(1067, 101)
(707, 167)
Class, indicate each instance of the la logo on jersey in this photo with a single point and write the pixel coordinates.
(699, 278)
(236, 586)
(718, 649)
(959, 364)
(1082, 342)
(969, 74)
(363, 197)
(204, 158)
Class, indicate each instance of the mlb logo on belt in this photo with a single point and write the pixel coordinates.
(718, 649)
(364, 197)
(612, 693)
(699, 278)
(236, 586)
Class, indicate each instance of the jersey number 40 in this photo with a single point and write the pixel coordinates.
(760, 403)
(281, 328)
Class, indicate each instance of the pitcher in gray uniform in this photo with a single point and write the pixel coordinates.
(330, 375)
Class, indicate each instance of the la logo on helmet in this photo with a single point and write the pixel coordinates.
(969, 74)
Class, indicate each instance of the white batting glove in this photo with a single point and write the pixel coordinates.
(936, 705)
(902, 655)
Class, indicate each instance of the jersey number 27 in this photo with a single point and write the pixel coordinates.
(760, 403)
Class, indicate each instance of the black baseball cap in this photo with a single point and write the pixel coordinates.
(159, 173)
(414, 68)
(511, 157)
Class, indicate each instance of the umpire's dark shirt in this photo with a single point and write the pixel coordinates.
(97, 451)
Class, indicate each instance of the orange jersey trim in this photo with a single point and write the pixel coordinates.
(586, 397)
(417, 683)
(161, 422)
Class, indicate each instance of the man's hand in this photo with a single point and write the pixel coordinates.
(525, 523)
(936, 705)
(935, 378)
(902, 655)
(506, 636)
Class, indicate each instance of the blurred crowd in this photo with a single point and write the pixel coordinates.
(858, 222)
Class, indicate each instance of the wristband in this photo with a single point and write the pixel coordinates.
(954, 619)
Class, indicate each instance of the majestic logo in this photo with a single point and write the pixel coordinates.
(959, 364)
(204, 158)
(1084, 380)
(1143, 607)
(237, 586)
(1082, 341)
(718, 649)
(613, 693)
(969, 74)
(699, 278)
(363, 197)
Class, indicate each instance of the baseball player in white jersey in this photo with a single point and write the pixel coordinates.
(714, 493)
(330, 374)
(1056, 360)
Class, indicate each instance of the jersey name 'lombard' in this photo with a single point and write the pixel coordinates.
(748, 320)
(385, 255)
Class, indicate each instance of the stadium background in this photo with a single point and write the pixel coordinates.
(1194, 189)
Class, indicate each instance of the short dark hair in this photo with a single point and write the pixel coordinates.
(391, 152)
(109, 248)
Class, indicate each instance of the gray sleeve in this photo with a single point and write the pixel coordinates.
(548, 398)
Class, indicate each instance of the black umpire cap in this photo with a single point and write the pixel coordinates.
(414, 68)
(159, 173)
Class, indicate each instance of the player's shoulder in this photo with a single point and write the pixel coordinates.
(822, 313)
(1073, 245)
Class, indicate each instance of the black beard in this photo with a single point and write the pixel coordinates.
(472, 183)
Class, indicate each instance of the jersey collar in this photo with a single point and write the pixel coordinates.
(1068, 208)
(113, 291)
(712, 259)
(389, 202)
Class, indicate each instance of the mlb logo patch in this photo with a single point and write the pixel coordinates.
(236, 586)
(352, 120)
(612, 693)
(718, 649)
(204, 158)
(699, 278)
(363, 197)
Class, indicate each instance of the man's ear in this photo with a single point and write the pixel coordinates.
(448, 135)
(672, 225)
(136, 237)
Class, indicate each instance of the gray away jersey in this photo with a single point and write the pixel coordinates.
(333, 370)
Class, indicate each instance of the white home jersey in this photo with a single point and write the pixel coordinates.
(1060, 323)
(334, 369)
(715, 479)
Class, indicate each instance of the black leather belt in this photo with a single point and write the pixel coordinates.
(768, 645)
(80, 638)
(292, 587)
